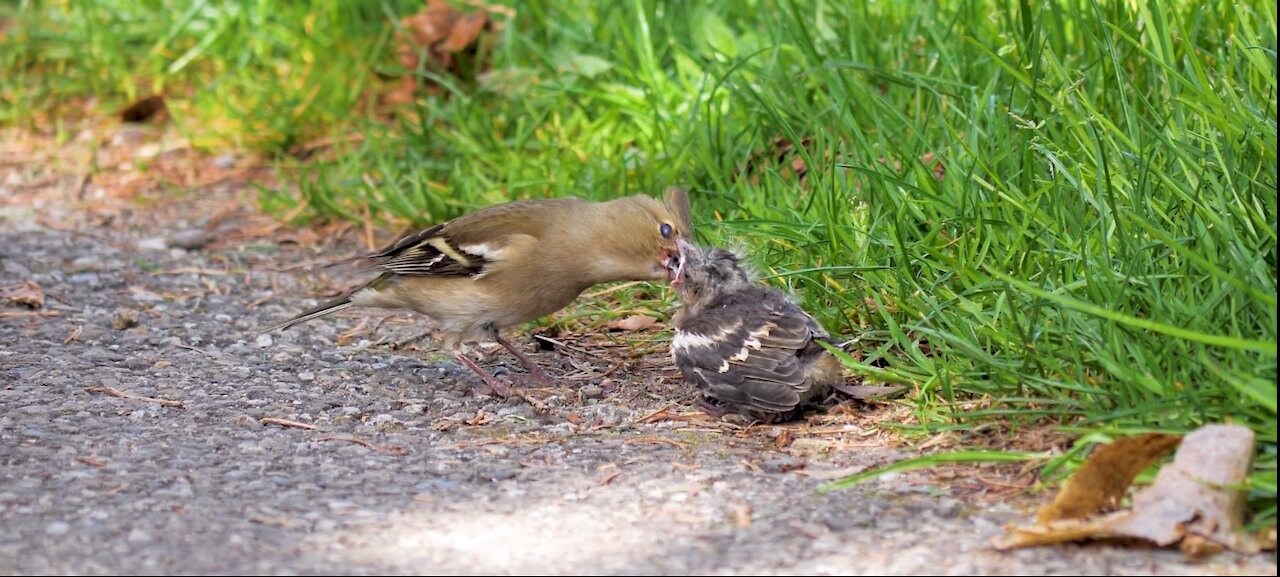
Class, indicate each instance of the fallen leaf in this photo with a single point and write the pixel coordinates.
(438, 33)
(465, 32)
(632, 323)
(28, 294)
(939, 170)
(1106, 475)
(1195, 502)
(1193, 496)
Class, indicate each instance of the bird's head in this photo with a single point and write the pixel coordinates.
(641, 235)
(699, 272)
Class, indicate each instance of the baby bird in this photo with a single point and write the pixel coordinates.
(510, 263)
(744, 344)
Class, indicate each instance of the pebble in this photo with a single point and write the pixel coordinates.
(152, 243)
(124, 318)
(190, 239)
(263, 341)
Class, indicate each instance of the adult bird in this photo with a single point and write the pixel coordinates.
(506, 264)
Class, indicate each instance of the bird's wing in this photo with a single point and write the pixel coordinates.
(469, 244)
(748, 355)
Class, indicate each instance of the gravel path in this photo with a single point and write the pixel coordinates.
(405, 466)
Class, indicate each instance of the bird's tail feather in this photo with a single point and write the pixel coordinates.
(332, 306)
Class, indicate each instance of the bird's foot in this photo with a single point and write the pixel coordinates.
(540, 375)
(710, 409)
(495, 386)
(536, 372)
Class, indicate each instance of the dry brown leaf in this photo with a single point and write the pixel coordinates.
(1194, 501)
(465, 32)
(1106, 475)
(939, 169)
(1192, 496)
(28, 294)
(441, 31)
(632, 323)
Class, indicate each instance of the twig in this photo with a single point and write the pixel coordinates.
(189, 347)
(193, 270)
(27, 314)
(127, 395)
(609, 478)
(261, 301)
(590, 376)
(655, 441)
(285, 423)
(657, 415)
(568, 346)
(349, 439)
(75, 334)
(538, 406)
(388, 449)
(92, 462)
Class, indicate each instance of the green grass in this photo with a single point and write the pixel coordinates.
(1101, 248)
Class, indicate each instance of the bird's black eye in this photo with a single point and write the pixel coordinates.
(665, 230)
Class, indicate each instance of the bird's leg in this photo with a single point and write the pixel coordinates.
(496, 387)
(711, 409)
(535, 371)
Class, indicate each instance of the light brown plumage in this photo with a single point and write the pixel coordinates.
(507, 264)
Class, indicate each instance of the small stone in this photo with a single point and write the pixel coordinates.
(264, 341)
(247, 422)
(153, 243)
(592, 392)
(782, 464)
(162, 364)
(190, 239)
(139, 536)
(306, 376)
(124, 319)
(57, 528)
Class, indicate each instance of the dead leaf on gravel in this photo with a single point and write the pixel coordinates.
(1101, 483)
(1195, 502)
(632, 323)
(26, 294)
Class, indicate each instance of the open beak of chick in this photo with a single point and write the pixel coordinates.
(675, 263)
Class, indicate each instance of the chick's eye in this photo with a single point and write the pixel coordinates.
(665, 230)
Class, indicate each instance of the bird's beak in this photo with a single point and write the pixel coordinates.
(677, 268)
